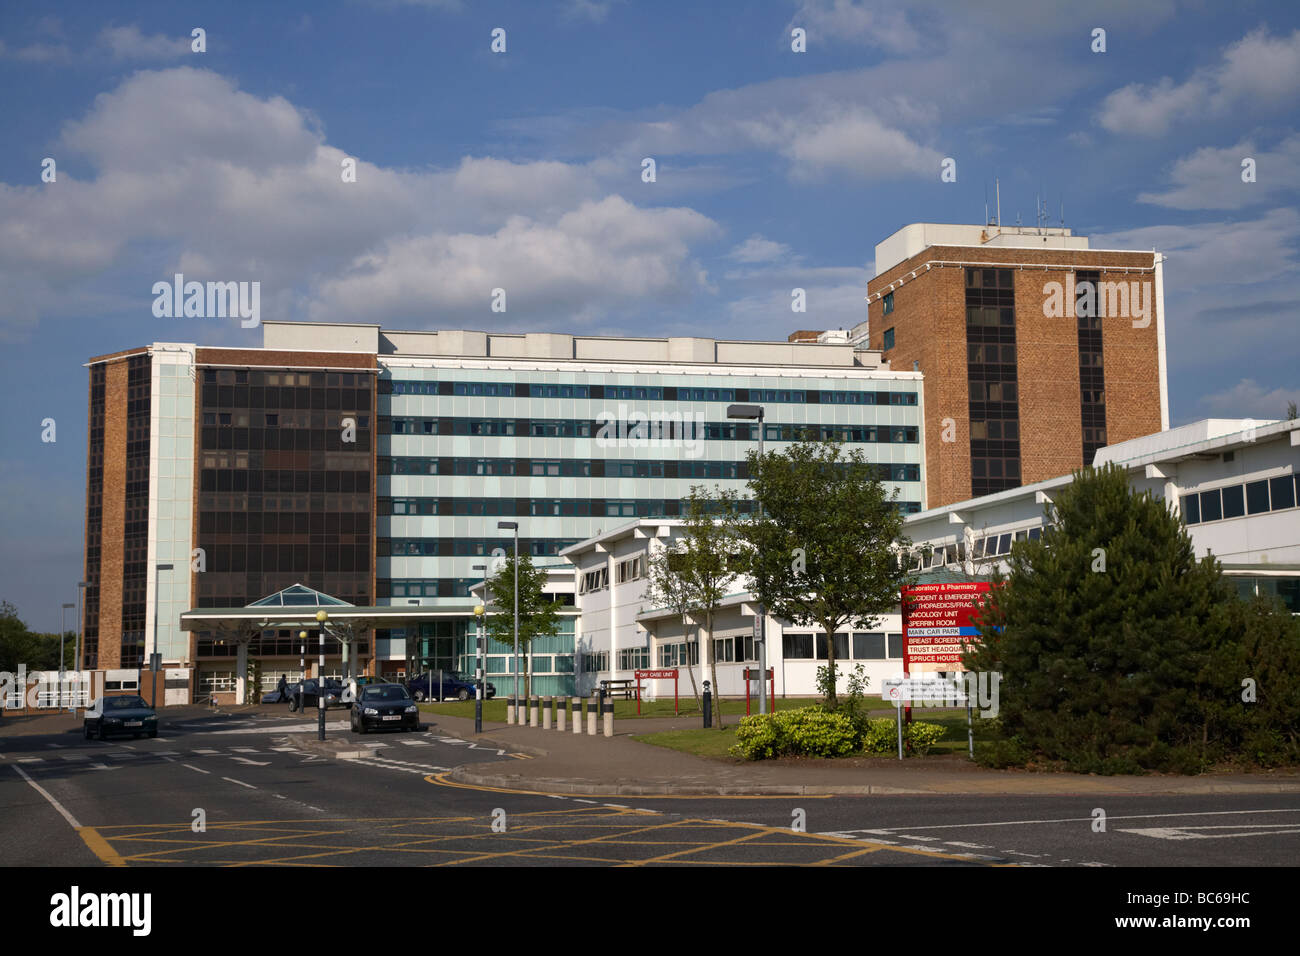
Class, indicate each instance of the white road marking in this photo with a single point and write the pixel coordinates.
(244, 750)
(968, 846)
(73, 757)
(240, 782)
(54, 745)
(207, 752)
(580, 800)
(1188, 833)
(31, 760)
(194, 768)
(54, 803)
(253, 763)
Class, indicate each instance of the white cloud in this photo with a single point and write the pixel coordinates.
(758, 249)
(593, 257)
(1215, 254)
(1256, 75)
(191, 171)
(1248, 399)
(128, 43)
(1210, 178)
(883, 26)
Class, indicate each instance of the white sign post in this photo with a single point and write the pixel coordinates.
(904, 690)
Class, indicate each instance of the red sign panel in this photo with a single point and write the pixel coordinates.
(938, 621)
(656, 675)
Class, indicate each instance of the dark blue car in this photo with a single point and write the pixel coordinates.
(453, 685)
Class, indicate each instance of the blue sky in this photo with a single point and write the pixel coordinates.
(522, 170)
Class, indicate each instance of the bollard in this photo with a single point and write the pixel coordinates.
(706, 699)
(548, 705)
(591, 717)
(534, 705)
(561, 712)
(510, 710)
(609, 716)
(577, 715)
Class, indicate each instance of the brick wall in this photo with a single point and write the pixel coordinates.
(929, 322)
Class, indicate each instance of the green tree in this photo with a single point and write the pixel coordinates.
(823, 552)
(39, 652)
(538, 617)
(693, 574)
(1290, 411)
(1119, 650)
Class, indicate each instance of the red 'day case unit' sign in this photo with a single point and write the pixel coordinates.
(938, 621)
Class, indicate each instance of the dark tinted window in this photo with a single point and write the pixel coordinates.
(1283, 492)
(123, 703)
(1211, 509)
(1257, 497)
(797, 646)
(1234, 502)
(1192, 509)
(385, 692)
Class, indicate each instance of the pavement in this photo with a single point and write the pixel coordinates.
(548, 761)
(570, 763)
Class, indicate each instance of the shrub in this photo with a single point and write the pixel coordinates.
(920, 737)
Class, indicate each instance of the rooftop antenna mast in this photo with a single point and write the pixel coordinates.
(997, 184)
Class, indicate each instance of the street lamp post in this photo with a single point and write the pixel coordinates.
(157, 600)
(321, 617)
(752, 412)
(62, 665)
(514, 526)
(479, 610)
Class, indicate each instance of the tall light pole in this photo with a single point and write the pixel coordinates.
(479, 610)
(322, 618)
(750, 413)
(81, 647)
(62, 660)
(157, 600)
(514, 526)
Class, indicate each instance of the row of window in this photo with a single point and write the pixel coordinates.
(710, 431)
(594, 468)
(1253, 497)
(653, 393)
(866, 646)
(468, 547)
(213, 376)
(544, 507)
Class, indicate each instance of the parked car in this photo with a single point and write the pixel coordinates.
(384, 705)
(127, 714)
(453, 685)
(334, 695)
(273, 697)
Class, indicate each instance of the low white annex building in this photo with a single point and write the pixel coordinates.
(1236, 483)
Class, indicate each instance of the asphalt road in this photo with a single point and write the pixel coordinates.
(236, 792)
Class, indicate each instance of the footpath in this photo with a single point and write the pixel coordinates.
(571, 763)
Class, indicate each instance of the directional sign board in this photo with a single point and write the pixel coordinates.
(938, 621)
(907, 689)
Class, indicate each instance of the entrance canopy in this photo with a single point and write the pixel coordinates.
(296, 607)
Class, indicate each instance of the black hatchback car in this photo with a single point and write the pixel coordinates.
(384, 705)
(127, 714)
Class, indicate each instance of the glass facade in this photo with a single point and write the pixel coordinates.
(459, 449)
(991, 378)
(286, 485)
